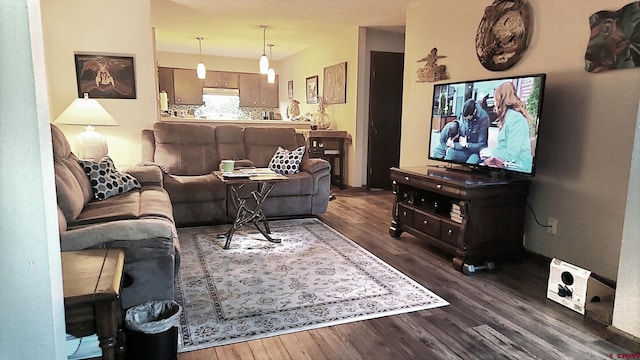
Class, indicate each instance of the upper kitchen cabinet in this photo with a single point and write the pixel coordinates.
(221, 79)
(187, 87)
(165, 82)
(255, 91)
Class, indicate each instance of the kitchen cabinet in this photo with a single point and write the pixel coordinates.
(187, 87)
(255, 91)
(165, 82)
(221, 79)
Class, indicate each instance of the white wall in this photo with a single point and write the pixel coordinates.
(626, 315)
(583, 155)
(219, 63)
(121, 27)
(312, 61)
(370, 40)
(32, 310)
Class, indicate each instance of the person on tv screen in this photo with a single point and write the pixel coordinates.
(474, 134)
(449, 134)
(514, 146)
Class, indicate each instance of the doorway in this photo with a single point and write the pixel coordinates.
(385, 117)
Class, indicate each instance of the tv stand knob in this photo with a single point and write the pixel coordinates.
(439, 186)
(406, 178)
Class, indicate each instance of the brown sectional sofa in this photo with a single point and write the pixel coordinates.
(139, 220)
(190, 152)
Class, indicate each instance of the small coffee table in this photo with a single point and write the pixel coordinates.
(266, 181)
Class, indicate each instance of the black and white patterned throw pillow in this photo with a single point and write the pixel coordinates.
(285, 161)
(106, 180)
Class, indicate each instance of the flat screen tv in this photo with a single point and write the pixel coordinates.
(489, 125)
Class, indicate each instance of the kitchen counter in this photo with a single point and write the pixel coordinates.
(298, 125)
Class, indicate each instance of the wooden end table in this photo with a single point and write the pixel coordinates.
(244, 214)
(92, 283)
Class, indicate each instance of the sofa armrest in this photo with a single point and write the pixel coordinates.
(243, 164)
(147, 173)
(315, 165)
(126, 230)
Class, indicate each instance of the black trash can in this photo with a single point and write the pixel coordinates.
(152, 331)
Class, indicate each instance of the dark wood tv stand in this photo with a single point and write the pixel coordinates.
(490, 224)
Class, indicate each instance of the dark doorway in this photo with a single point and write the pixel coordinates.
(385, 114)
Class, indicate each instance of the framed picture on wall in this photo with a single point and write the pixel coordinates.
(105, 76)
(290, 89)
(312, 89)
(334, 84)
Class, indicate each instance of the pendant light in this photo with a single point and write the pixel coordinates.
(201, 70)
(264, 60)
(271, 73)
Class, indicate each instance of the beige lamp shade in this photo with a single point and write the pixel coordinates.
(85, 111)
(90, 143)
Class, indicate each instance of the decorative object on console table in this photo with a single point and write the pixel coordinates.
(312, 89)
(321, 119)
(329, 145)
(490, 224)
(105, 76)
(92, 280)
(84, 111)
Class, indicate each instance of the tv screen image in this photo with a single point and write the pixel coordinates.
(489, 124)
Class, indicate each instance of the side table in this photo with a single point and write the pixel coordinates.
(265, 181)
(329, 145)
(92, 282)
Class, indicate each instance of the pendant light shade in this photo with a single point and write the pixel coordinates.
(201, 70)
(271, 73)
(264, 60)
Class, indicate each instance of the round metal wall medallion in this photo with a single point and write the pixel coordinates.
(503, 34)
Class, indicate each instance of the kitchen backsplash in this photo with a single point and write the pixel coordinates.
(223, 113)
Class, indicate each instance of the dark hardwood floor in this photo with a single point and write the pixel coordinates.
(503, 314)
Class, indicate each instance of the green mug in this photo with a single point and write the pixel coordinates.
(227, 165)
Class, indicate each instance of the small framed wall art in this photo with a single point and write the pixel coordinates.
(312, 89)
(290, 89)
(105, 76)
(334, 84)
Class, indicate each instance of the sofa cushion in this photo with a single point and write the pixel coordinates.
(186, 150)
(106, 180)
(68, 191)
(230, 141)
(286, 161)
(149, 201)
(194, 188)
(62, 154)
(262, 143)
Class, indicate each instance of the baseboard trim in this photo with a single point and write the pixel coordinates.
(622, 339)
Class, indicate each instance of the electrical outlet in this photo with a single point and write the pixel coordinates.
(553, 226)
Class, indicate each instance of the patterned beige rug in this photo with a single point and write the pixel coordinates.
(315, 278)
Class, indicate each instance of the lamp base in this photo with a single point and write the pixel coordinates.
(91, 145)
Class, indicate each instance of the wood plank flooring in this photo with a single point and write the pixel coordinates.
(502, 314)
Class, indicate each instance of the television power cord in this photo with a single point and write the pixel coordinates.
(536, 218)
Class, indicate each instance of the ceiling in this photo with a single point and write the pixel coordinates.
(232, 27)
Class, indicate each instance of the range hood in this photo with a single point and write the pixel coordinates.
(220, 91)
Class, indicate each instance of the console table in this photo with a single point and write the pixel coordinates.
(329, 145)
(474, 217)
(92, 281)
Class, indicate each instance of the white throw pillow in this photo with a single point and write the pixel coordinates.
(106, 180)
(285, 161)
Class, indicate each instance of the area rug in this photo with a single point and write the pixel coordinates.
(315, 278)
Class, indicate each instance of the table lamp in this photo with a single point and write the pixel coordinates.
(89, 112)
